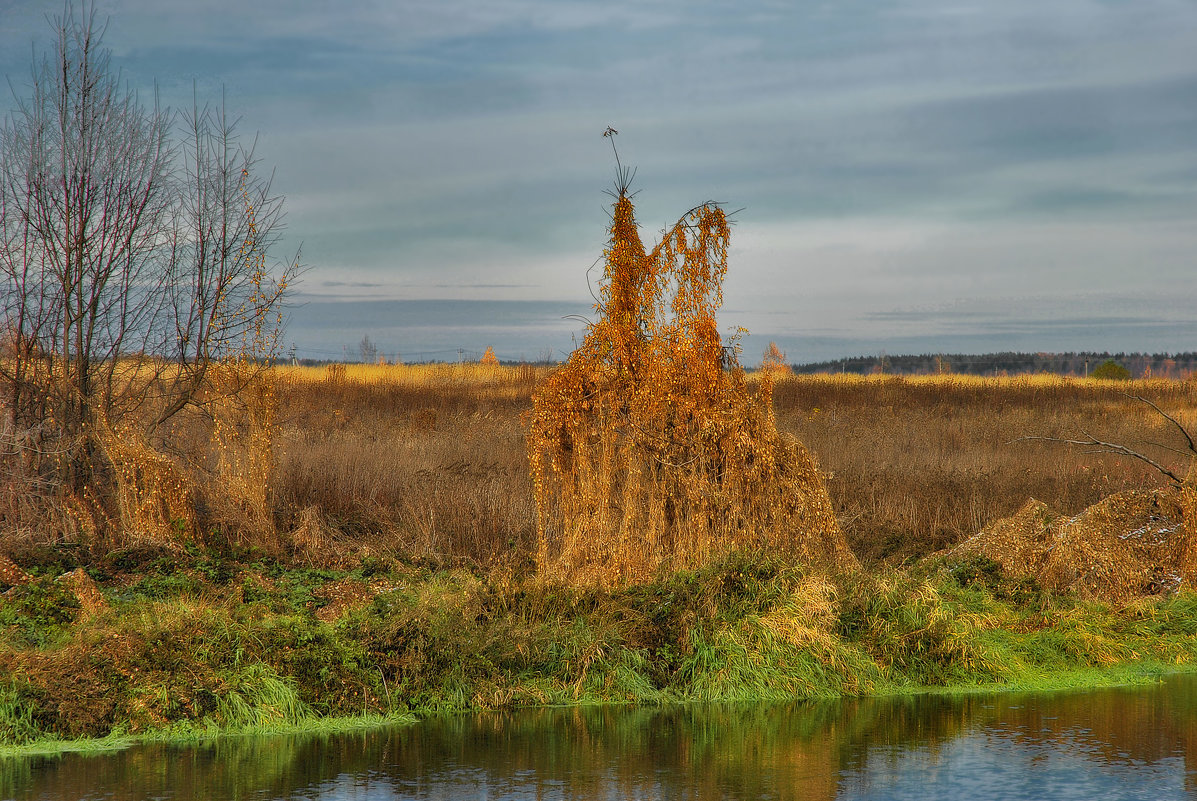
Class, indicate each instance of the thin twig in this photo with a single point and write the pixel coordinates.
(1170, 419)
(1107, 447)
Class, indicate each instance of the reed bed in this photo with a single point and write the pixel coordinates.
(431, 457)
(431, 460)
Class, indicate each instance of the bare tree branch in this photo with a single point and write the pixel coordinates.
(1170, 419)
(1107, 447)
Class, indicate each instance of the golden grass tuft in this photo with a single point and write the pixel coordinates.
(647, 449)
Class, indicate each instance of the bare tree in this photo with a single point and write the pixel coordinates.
(368, 350)
(130, 261)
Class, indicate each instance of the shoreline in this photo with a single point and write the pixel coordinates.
(1133, 674)
(211, 646)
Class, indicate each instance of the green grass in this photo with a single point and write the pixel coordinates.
(211, 646)
(184, 734)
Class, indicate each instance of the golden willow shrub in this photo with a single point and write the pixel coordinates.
(774, 361)
(157, 494)
(647, 450)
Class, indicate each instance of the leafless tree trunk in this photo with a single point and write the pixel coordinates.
(129, 262)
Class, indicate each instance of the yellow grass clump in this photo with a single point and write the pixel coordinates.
(647, 449)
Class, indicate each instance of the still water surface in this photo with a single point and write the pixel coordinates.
(1131, 743)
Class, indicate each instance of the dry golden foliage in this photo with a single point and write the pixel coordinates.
(154, 495)
(244, 413)
(1131, 544)
(489, 359)
(774, 361)
(647, 449)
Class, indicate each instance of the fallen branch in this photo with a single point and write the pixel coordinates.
(1122, 450)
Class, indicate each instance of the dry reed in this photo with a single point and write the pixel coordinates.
(429, 459)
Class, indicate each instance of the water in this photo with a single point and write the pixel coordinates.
(453, 330)
(1133, 743)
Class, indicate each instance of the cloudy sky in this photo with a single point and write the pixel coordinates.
(914, 175)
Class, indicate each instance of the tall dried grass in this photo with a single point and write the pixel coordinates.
(424, 460)
(430, 459)
(919, 463)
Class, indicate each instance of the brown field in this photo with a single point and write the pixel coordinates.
(430, 460)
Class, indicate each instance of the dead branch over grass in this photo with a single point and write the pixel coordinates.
(920, 463)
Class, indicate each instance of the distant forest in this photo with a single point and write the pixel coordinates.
(1140, 365)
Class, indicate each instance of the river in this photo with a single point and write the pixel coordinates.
(1122, 743)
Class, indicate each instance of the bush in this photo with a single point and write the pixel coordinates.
(1111, 370)
(648, 451)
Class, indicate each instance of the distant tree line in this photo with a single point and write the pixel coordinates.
(1139, 365)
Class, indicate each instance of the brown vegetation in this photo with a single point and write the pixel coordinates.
(1126, 546)
(647, 450)
(430, 461)
(918, 464)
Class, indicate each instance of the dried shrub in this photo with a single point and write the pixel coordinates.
(647, 449)
(774, 361)
(153, 493)
(245, 427)
(1129, 545)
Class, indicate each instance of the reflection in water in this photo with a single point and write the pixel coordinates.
(1122, 743)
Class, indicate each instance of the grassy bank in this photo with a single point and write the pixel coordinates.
(388, 570)
(216, 643)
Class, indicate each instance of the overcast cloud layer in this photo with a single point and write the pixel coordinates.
(932, 176)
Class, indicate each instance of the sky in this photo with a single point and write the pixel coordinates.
(911, 176)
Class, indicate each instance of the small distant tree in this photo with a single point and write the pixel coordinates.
(1111, 370)
(489, 359)
(368, 350)
(774, 361)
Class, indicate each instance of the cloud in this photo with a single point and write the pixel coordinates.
(886, 154)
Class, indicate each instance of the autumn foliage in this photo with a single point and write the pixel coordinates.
(774, 361)
(647, 449)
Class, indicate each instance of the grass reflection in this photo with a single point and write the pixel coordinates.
(782, 751)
